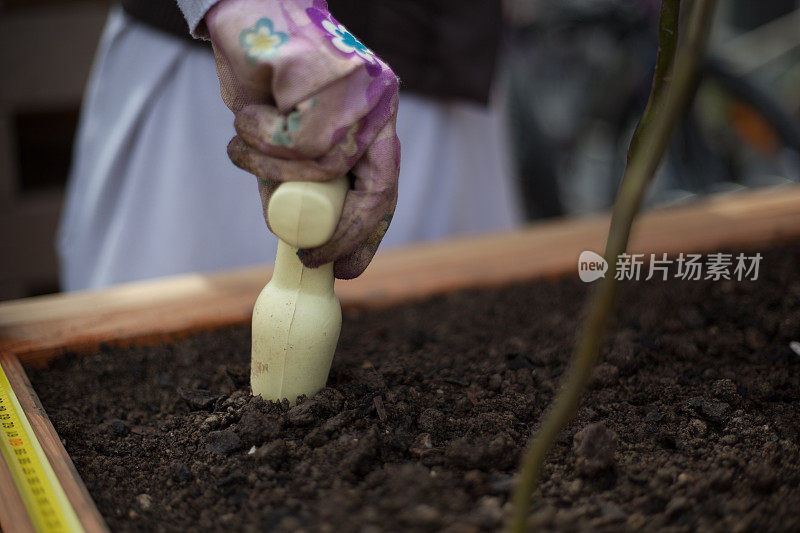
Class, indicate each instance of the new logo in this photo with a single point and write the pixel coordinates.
(591, 266)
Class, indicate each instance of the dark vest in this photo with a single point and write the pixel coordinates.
(439, 48)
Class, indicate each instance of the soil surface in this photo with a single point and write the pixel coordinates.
(692, 421)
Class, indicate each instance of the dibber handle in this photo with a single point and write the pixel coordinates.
(304, 214)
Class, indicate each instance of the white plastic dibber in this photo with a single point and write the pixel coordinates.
(297, 317)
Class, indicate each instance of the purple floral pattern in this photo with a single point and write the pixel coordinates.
(329, 109)
(344, 41)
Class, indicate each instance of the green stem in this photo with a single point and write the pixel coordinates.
(670, 94)
(667, 44)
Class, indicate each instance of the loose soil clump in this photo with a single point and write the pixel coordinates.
(691, 422)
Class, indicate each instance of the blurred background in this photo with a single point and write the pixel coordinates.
(573, 77)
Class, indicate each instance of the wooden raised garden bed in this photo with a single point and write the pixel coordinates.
(35, 331)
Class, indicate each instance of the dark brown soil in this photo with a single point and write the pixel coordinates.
(692, 422)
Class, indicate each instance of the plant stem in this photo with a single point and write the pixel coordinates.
(670, 94)
(668, 24)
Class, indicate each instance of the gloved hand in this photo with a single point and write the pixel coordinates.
(311, 103)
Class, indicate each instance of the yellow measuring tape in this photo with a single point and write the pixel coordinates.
(42, 494)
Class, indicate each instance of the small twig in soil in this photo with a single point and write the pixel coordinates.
(379, 408)
(455, 381)
(670, 93)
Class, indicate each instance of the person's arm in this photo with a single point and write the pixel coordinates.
(311, 103)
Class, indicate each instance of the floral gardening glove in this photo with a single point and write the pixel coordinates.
(312, 103)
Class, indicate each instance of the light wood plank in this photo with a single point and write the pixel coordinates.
(37, 328)
(54, 450)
